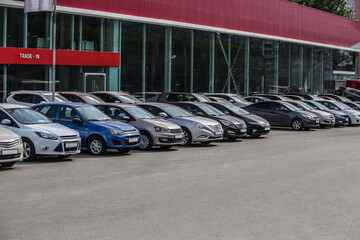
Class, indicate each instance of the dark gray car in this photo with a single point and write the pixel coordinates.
(283, 114)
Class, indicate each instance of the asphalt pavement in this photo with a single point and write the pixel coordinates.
(287, 185)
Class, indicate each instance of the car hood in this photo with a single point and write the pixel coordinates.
(351, 112)
(334, 112)
(307, 113)
(114, 125)
(321, 112)
(53, 128)
(7, 135)
(159, 122)
(254, 118)
(232, 119)
(202, 120)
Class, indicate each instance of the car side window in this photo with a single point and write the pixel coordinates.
(68, 97)
(172, 97)
(190, 98)
(262, 105)
(154, 110)
(117, 113)
(4, 115)
(191, 108)
(109, 98)
(76, 99)
(50, 111)
(278, 107)
(37, 99)
(27, 98)
(67, 114)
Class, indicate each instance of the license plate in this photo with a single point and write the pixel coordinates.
(71, 145)
(267, 129)
(9, 152)
(332, 121)
(243, 130)
(178, 136)
(218, 133)
(133, 140)
(317, 121)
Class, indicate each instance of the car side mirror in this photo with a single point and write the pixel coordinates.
(200, 114)
(163, 115)
(286, 110)
(117, 101)
(232, 101)
(6, 122)
(77, 120)
(226, 112)
(126, 118)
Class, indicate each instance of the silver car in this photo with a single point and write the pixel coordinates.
(11, 147)
(326, 119)
(154, 131)
(31, 98)
(196, 129)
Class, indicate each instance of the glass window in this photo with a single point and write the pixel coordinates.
(131, 57)
(237, 64)
(296, 71)
(317, 69)
(138, 112)
(201, 61)
(109, 40)
(67, 114)
(28, 116)
(117, 113)
(92, 113)
(15, 27)
(155, 58)
(27, 77)
(50, 111)
(37, 33)
(181, 59)
(69, 78)
(221, 71)
(63, 31)
(176, 111)
(1, 25)
(90, 34)
(2, 94)
(329, 84)
(307, 71)
(257, 66)
(153, 110)
(284, 67)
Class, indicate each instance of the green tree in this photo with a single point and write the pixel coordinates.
(337, 7)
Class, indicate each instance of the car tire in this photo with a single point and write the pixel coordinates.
(166, 147)
(187, 136)
(97, 146)
(29, 150)
(350, 123)
(297, 124)
(8, 164)
(124, 150)
(146, 142)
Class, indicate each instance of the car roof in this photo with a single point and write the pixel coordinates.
(72, 104)
(116, 104)
(30, 91)
(12, 106)
(75, 93)
(155, 104)
(111, 92)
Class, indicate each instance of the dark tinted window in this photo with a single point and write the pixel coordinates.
(67, 114)
(37, 99)
(191, 108)
(154, 110)
(27, 98)
(172, 97)
(278, 107)
(117, 113)
(262, 105)
(68, 97)
(50, 111)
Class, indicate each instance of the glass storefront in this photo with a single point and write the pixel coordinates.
(159, 58)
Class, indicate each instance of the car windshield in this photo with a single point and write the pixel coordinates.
(238, 99)
(202, 98)
(236, 109)
(303, 106)
(58, 98)
(317, 105)
(128, 99)
(91, 114)
(139, 113)
(210, 110)
(290, 106)
(176, 111)
(28, 116)
(92, 99)
(342, 106)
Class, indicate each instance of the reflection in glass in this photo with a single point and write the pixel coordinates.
(15, 27)
(27, 77)
(201, 61)
(63, 31)
(91, 34)
(37, 32)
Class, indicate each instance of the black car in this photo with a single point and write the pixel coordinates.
(256, 125)
(273, 97)
(350, 93)
(256, 99)
(283, 114)
(353, 105)
(336, 97)
(341, 119)
(167, 97)
(233, 126)
(231, 97)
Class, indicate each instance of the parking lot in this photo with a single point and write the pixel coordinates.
(287, 185)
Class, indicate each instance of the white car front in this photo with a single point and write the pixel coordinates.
(40, 135)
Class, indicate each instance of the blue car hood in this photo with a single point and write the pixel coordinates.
(114, 125)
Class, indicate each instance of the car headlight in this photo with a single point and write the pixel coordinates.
(256, 123)
(306, 116)
(340, 115)
(198, 125)
(228, 123)
(47, 135)
(116, 132)
(161, 129)
(353, 114)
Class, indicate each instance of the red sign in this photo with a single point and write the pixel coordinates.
(63, 57)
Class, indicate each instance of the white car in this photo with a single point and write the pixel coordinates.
(353, 115)
(40, 135)
(11, 148)
(31, 98)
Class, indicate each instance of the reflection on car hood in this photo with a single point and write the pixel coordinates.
(7, 135)
(254, 118)
(114, 125)
(54, 128)
(307, 113)
(321, 112)
(232, 119)
(202, 120)
(160, 123)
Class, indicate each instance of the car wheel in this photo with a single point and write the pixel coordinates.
(187, 137)
(350, 123)
(124, 150)
(166, 147)
(64, 156)
(29, 150)
(97, 146)
(297, 124)
(146, 142)
(8, 164)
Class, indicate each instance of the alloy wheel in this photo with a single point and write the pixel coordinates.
(297, 125)
(144, 141)
(27, 150)
(96, 146)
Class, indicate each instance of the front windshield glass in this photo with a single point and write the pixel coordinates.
(236, 109)
(128, 99)
(290, 106)
(210, 110)
(92, 99)
(28, 116)
(238, 99)
(305, 106)
(202, 98)
(176, 111)
(91, 113)
(317, 105)
(58, 98)
(139, 113)
(342, 106)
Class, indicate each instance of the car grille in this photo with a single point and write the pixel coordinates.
(215, 128)
(130, 131)
(10, 144)
(178, 130)
(68, 137)
(240, 125)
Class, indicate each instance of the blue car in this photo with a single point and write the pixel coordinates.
(97, 131)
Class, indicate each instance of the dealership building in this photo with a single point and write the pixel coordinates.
(239, 46)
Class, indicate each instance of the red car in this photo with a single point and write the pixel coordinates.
(81, 97)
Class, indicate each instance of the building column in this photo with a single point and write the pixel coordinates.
(144, 62)
(80, 33)
(5, 78)
(192, 62)
(5, 27)
(113, 73)
(322, 71)
(276, 66)
(301, 69)
(168, 55)
(25, 31)
(72, 32)
(247, 67)
(212, 63)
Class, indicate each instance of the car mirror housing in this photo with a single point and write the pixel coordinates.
(227, 112)
(126, 118)
(200, 114)
(6, 122)
(77, 120)
(286, 110)
(163, 115)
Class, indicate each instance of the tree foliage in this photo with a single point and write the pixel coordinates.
(337, 7)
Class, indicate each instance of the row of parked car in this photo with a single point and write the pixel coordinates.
(34, 126)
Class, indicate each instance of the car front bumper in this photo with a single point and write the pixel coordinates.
(205, 135)
(167, 139)
(311, 123)
(14, 154)
(59, 147)
(123, 141)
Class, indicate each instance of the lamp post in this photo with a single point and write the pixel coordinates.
(54, 52)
